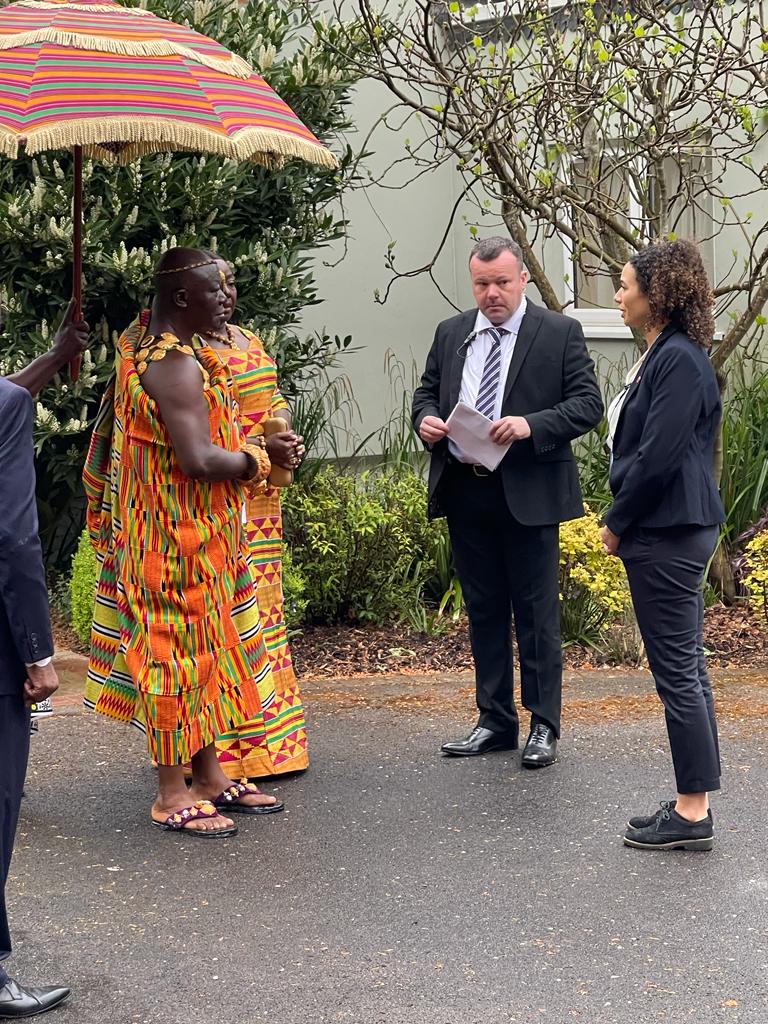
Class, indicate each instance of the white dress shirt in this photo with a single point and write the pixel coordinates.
(474, 364)
(614, 409)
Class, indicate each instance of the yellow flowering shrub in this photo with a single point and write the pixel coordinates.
(593, 585)
(756, 578)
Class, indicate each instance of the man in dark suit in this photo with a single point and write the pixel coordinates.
(27, 675)
(528, 371)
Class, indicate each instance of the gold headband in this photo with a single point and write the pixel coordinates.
(190, 266)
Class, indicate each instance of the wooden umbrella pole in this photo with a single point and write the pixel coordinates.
(77, 250)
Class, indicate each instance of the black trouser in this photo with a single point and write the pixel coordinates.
(14, 751)
(665, 568)
(505, 568)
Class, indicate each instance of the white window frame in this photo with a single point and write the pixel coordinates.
(495, 9)
(600, 324)
(604, 322)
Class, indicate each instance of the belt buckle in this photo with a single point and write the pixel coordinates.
(481, 471)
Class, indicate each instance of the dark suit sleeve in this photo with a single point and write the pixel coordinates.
(22, 578)
(581, 407)
(426, 397)
(669, 426)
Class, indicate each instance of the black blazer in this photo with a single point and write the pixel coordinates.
(25, 626)
(551, 382)
(663, 449)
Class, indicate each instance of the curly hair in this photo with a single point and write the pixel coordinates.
(672, 276)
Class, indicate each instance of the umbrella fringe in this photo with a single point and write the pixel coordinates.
(95, 7)
(233, 66)
(142, 137)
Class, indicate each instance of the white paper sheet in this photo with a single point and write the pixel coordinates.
(471, 432)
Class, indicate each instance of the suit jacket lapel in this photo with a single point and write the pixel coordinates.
(632, 388)
(529, 328)
(458, 353)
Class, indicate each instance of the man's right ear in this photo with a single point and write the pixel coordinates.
(180, 298)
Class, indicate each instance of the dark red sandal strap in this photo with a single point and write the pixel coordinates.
(202, 809)
(235, 792)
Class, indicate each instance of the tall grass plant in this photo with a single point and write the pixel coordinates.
(744, 483)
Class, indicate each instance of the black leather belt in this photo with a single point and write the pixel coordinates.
(467, 467)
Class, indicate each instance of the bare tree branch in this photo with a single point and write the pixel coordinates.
(601, 127)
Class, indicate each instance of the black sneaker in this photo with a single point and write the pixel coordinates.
(42, 709)
(648, 819)
(668, 831)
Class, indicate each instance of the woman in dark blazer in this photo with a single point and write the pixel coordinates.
(664, 521)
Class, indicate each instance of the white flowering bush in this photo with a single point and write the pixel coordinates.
(268, 221)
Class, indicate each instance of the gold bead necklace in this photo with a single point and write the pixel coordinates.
(227, 339)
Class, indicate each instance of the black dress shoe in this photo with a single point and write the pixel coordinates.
(670, 831)
(16, 1002)
(541, 748)
(644, 820)
(480, 741)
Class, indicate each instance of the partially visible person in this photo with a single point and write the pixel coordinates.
(69, 342)
(26, 650)
(176, 642)
(276, 740)
(527, 370)
(665, 517)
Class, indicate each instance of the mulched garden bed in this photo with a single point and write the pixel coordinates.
(732, 636)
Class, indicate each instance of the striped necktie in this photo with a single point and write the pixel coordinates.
(489, 382)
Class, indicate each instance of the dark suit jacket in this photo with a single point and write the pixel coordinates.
(25, 627)
(551, 382)
(663, 450)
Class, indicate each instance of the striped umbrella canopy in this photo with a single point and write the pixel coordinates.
(118, 82)
(122, 82)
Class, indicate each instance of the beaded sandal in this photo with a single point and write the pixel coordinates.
(229, 800)
(177, 822)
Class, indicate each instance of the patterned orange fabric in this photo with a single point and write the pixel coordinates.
(276, 741)
(176, 644)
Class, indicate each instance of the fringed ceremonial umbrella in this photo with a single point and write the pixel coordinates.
(116, 83)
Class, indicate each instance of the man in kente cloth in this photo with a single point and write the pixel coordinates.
(176, 645)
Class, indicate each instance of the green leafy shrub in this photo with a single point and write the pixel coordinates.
(594, 467)
(359, 548)
(363, 544)
(593, 585)
(269, 221)
(294, 592)
(82, 588)
(744, 484)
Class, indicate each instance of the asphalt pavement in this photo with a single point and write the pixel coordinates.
(400, 887)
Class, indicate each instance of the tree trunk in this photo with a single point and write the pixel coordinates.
(721, 574)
